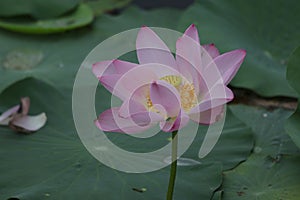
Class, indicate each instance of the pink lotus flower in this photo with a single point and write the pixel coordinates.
(167, 90)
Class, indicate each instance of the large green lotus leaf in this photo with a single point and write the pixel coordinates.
(82, 16)
(268, 30)
(293, 76)
(271, 172)
(55, 59)
(100, 6)
(234, 146)
(268, 128)
(264, 179)
(53, 164)
(36, 8)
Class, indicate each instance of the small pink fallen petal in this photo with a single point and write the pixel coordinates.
(209, 116)
(28, 124)
(151, 49)
(175, 124)
(229, 63)
(7, 115)
(25, 105)
(166, 95)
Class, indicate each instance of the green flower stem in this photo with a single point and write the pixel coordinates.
(173, 166)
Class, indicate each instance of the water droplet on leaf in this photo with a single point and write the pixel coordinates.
(61, 65)
(268, 54)
(257, 149)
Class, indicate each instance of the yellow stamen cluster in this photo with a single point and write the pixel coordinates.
(188, 96)
(173, 80)
(186, 90)
(148, 101)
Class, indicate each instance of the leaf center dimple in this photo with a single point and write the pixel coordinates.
(22, 59)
